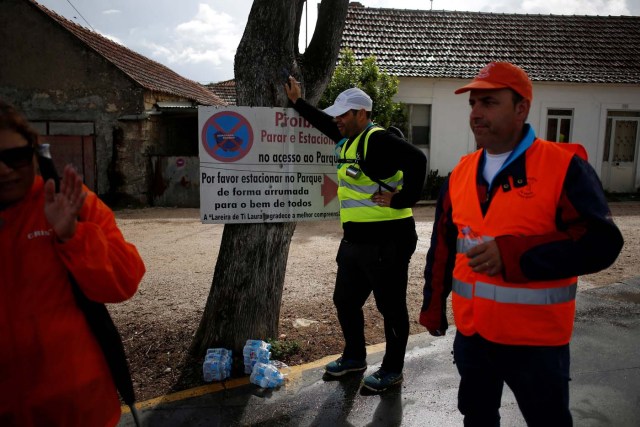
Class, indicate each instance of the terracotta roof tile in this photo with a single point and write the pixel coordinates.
(147, 73)
(226, 90)
(442, 44)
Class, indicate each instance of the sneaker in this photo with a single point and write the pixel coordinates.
(381, 380)
(344, 366)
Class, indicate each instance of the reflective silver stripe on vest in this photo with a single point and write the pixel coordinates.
(369, 189)
(463, 245)
(526, 295)
(463, 289)
(346, 204)
(516, 295)
(366, 189)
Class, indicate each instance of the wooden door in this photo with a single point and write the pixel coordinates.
(77, 150)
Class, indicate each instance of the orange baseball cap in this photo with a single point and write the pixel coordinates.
(500, 75)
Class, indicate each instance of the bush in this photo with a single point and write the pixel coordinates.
(283, 349)
(431, 189)
(379, 85)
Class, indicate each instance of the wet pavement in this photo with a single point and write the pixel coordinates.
(605, 386)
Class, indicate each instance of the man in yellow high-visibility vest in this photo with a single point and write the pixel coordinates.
(380, 178)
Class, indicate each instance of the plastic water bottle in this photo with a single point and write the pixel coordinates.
(267, 370)
(259, 380)
(471, 239)
(212, 370)
(217, 364)
(263, 355)
(266, 375)
(255, 351)
(45, 163)
(225, 361)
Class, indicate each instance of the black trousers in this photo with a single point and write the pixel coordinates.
(538, 377)
(382, 269)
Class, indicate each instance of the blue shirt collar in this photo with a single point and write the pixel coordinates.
(522, 146)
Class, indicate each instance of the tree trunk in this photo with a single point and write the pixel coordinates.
(246, 291)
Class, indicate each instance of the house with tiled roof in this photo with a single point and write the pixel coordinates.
(125, 121)
(585, 72)
(226, 90)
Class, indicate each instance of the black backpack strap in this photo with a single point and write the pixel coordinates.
(361, 142)
(110, 342)
(360, 155)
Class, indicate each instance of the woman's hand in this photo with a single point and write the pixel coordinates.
(62, 208)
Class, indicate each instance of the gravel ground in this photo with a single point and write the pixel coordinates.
(157, 324)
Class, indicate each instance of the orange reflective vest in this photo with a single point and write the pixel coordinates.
(534, 313)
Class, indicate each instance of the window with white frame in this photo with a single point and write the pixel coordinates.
(559, 123)
(419, 120)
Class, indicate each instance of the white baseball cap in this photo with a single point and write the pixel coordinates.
(350, 99)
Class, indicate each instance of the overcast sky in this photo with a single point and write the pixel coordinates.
(198, 38)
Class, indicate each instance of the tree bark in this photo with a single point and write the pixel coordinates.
(246, 290)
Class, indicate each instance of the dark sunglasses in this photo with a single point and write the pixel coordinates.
(18, 157)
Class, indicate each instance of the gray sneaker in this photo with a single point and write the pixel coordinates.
(381, 380)
(342, 366)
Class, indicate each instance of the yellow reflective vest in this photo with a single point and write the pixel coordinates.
(355, 193)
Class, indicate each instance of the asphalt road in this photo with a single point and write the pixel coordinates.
(605, 386)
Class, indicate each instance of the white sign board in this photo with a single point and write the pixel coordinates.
(260, 164)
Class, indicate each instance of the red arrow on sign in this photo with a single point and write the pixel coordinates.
(329, 190)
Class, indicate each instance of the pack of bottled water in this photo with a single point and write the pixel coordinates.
(266, 375)
(217, 364)
(255, 351)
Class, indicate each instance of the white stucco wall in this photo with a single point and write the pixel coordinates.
(451, 137)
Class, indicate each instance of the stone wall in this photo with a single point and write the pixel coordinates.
(60, 83)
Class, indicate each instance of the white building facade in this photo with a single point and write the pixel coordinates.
(605, 119)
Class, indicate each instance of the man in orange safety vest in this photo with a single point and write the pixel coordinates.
(516, 222)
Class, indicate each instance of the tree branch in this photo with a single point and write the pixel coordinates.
(319, 60)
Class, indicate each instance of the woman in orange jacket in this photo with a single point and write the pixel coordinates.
(52, 370)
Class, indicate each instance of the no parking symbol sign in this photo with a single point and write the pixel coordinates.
(227, 136)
